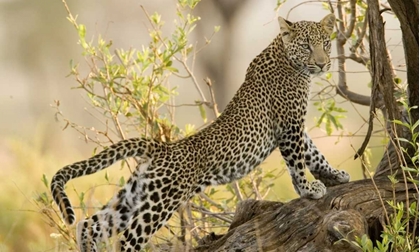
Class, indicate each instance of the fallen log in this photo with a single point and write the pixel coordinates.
(327, 224)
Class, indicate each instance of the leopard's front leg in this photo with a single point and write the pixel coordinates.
(292, 148)
(319, 166)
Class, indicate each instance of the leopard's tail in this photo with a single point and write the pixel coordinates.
(127, 148)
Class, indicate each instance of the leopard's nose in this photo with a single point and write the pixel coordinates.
(321, 65)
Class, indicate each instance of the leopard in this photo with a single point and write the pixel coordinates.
(266, 113)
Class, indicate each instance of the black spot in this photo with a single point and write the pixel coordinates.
(147, 230)
(134, 224)
(165, 180)
(163, 215)
(158, 184)
(155, 197)
(291, 162)
(143, 197)
(151, 186)
(122, 209)
(129, 237)
(145, 206)
(133, 242)
(146, 217)
(138, 230)
(121, 194)
(91, 162)
(134, 186)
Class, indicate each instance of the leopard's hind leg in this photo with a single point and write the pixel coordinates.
(94, 233)
(141, 208)
(161, 191)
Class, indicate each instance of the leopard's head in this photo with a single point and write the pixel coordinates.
(308, 44)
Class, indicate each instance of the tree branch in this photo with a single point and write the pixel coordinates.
(344, 91)
(342, 35)
(352, 23)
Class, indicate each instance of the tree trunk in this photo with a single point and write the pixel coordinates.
(348, 210)
(407, 12)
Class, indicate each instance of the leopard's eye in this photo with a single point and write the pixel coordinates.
(305, 46)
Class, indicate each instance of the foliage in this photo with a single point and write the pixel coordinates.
(398, 234)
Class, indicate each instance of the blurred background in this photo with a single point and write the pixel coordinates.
(37, 43)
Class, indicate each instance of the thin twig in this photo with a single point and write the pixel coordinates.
(372, 114)
(352, 23)
(213, 98)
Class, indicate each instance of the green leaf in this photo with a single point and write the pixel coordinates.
(44, 180)
(393, 179)
(409, 169)
(122, 181)
(202, 111)
(328, 127)
(401, 123)
(319, 122)
(328, 76)
(156, 18)
(43, 198)
(82, 31)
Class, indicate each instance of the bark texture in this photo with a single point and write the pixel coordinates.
(407, 12)
(347, 211)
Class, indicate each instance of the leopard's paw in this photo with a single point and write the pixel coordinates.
(334, 177)
(314, 190)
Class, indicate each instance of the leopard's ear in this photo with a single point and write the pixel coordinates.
(328, 23)
(286, 30)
